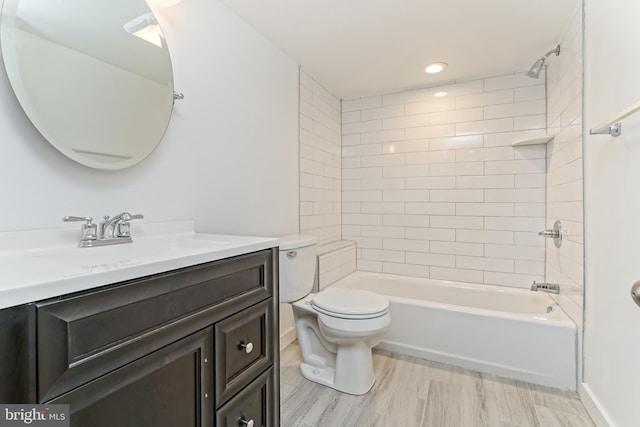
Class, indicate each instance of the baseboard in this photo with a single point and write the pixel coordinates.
(287, 337)
(593, 406)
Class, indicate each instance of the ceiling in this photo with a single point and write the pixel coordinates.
(359, 48)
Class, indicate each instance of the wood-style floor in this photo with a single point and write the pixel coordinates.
(414, 392)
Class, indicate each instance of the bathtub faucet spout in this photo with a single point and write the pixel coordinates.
(552, 288)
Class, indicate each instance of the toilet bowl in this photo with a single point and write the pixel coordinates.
(336, 327)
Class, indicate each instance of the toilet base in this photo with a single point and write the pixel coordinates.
(356, 374)
(338, 354)
(325, 377)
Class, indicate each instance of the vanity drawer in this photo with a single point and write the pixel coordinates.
(83, 336)
(244, 348)
(251, 404)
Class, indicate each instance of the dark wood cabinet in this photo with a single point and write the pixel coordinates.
(167, 388)
(250, 406)
(243, 348)
(17, 354)
(171, 349)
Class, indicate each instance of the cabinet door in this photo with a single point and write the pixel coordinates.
(170, 387)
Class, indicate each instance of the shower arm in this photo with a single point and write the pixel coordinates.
(556, 51)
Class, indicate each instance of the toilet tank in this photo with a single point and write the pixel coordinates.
(297, 266)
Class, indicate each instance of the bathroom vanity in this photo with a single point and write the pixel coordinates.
(192, 345)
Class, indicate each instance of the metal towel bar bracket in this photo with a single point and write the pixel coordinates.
(613, 130)
(613, 127)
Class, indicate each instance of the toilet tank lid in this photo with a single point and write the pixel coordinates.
(294, 241)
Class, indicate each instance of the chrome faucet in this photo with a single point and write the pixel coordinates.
(552, 288)
(110, 232)
(118, 226)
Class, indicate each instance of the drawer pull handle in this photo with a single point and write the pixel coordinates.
(248, 347)
(292, 254)
(244, 422)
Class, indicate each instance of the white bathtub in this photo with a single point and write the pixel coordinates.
(493, 329)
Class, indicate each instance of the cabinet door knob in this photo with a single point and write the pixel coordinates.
(248, 347)
(244, 422)
(635, 292)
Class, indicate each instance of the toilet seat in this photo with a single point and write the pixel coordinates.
(350, 303)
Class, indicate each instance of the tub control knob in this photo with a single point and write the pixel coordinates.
(556, 233)
(635, 292)
(244, 422)
(248, 347)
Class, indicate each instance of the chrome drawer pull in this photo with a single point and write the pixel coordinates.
(292, 254)
(248, 347)
(244, 422)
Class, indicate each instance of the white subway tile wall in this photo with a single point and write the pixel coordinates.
(564, 169)
(432, 187)
(335, 261)
(320, 159)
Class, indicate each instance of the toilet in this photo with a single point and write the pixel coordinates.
(336, 327)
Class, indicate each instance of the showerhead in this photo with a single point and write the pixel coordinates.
(536, 69)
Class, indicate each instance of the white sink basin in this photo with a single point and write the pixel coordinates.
(33, 274)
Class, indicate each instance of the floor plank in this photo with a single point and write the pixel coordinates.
(416, 392)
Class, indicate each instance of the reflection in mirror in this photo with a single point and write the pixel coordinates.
(94, 77)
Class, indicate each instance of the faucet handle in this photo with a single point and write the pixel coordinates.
(124, 228)
(89, 229)
(70, 218)
(123, 217)
(556, 233)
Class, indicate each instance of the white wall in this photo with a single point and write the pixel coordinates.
(565, 265)
(320, 161)
(433, 188)
(229, 158)
(612, 203)
(320, 174)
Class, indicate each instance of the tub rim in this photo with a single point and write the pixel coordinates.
(559, 318)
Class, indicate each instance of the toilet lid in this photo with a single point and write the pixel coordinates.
(353, 302)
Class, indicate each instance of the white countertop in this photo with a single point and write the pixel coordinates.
(41, 264)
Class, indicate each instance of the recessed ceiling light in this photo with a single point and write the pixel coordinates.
(436, 67)
(440, 94)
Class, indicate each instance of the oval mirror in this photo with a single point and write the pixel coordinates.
(94, 77)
